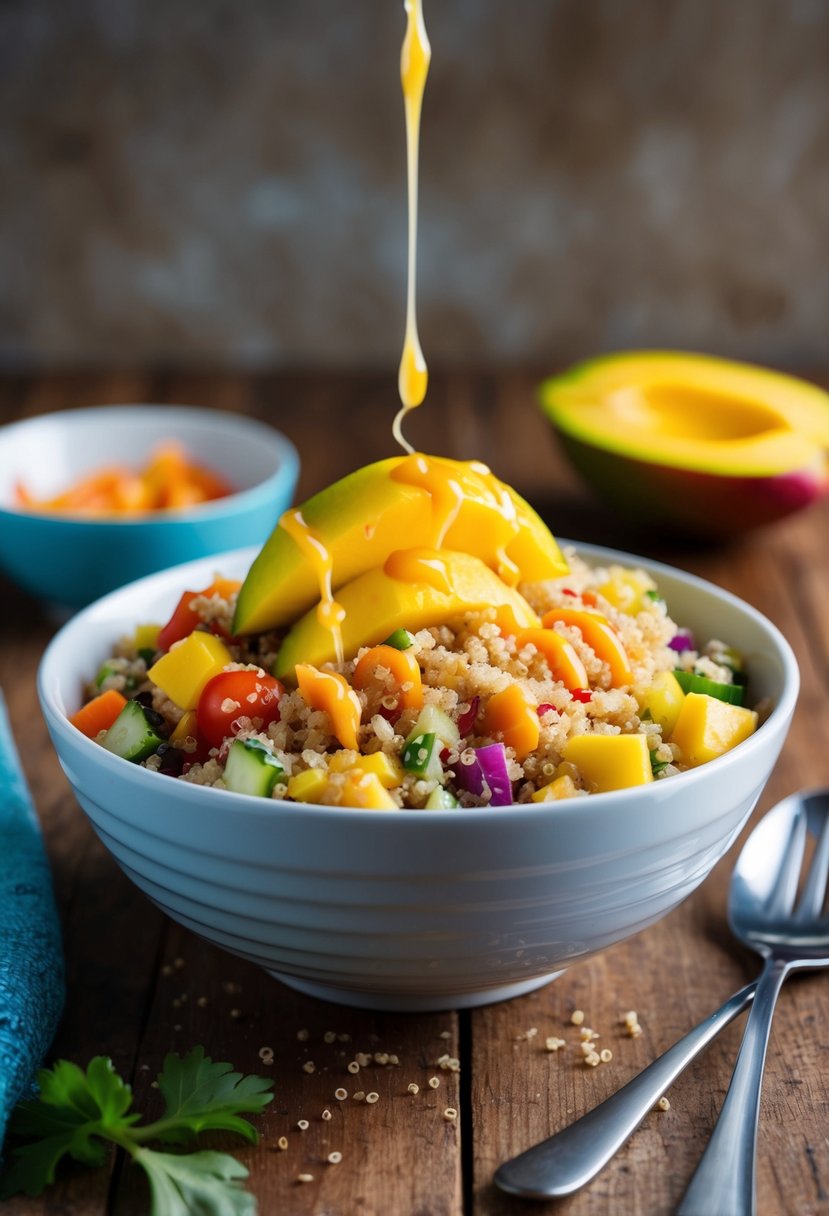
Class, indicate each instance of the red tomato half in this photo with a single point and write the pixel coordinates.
(232, 695)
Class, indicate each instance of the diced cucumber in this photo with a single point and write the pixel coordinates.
(689, 681)
(421, 755)
(251, 768)
(441, 799)
(401, 639)
(136, 733)
(434, 721)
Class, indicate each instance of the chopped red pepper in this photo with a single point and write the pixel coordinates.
(581, 694)
(541, 710)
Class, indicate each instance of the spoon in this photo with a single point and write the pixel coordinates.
(761, 913)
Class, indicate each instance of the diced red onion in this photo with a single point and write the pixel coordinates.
(543, 709)
(492, 760)
(682, 640)
(466, 720)
(469, 776)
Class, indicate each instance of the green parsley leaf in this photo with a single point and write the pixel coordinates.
(196, 1184)
(657, 765)
(78, 1112)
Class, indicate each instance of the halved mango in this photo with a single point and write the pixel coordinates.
(364, 517)
(707, 445)
(377, 603)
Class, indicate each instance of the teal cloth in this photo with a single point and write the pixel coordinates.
(31, 953)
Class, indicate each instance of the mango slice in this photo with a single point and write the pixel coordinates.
(710, 446)
(707, 727)
(513, 715)
(182, 672)
(376, 603)
(662, 699)
(362, 518)
(610, 762)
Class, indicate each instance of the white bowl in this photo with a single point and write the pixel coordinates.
(415, 910)
(70, 560)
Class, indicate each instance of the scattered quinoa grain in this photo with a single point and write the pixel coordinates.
(309, 1066)
(450, 1113)
(434, 1082)
(235, 1014)
(362, 1059)
(305, 1177)
(166, 969)
(303, 1125)
(606, 1055)
(341, 1094)
(413, 1087)
(326, 1114)
(372, 1097)
(303, 1035)
(577, 1017)
(329, 1036)
(360, 1096)
(593, 1059)
(178, 963)
(202, 1002)
(554, 1044)
(282, 1143)
(353, 1066)
(446, 1034)
(343, 1038)
(266, 1055)
(334, 1158)
(663, 1104)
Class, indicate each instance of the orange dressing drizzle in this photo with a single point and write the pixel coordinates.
(330, 614)
(413, 376)
(419, 566)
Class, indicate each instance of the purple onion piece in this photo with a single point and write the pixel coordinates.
(492, 760)
(682, 640)
(469, 776)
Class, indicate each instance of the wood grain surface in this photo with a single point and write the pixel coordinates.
(140, 986)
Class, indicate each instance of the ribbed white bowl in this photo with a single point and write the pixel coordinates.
(414, 909)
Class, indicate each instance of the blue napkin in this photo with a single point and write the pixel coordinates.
(31, 954)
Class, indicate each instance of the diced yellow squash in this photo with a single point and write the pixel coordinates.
(329, 691)
(308, 786)
(366, 790)
(663, 698)
(626, 589)
(610, 762)
(146, 637)
(562, 787)
(387, 769)
(185, 728)
(707, 727)
(182, 672)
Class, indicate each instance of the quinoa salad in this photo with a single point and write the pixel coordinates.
(609, 692)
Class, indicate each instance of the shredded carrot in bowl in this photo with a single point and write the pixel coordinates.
(169, 481)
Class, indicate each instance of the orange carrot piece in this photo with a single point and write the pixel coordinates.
(513, 715)
(404, 669)
(99, 713)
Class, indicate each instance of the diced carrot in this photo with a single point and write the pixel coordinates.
(99, 713)
(512, 714)
(405, 672)
(329, 691)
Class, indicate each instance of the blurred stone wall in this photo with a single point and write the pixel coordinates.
(224, 180)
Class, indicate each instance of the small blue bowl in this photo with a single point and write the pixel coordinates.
(71, 561)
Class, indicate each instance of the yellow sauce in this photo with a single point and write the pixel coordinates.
(413, 376)
(440, 483)
(329, 613)
(419, 566)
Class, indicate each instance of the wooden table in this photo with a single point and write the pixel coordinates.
(139, 986)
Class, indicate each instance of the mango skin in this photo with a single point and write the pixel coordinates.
(376, 604)
(364, 517)
(707, 447)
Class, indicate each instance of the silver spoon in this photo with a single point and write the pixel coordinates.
(761, 913)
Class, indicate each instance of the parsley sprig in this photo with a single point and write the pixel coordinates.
(77, 1113)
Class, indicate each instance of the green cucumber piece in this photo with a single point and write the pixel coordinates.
(689, 681)
(134, 734)
(401, 639)
(433, 721)
(251, 768)
(441, 799)
(421, 755)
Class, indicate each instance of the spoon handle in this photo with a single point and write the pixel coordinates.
(570, 1158)
(723, 1184)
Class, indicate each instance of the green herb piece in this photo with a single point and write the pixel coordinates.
(657, 765)
(78, 1112)
(401, 639)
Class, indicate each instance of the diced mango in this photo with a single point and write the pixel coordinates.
(513, 715)
(407, 686)
(308, 786)
(387, 769)
(610, 762)
(707, 728)
(562, 660)
(185, 728)
(146, 637)
(599, 635)
(331, 692)
(562, 787)
(366, 790)
(182, 672)
(663, 699)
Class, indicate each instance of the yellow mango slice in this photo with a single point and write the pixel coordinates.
(626, 590)
(366, 790)
(182, 672)
(362, 518)
(663, 698)
(513, 715)
(329, 691)
(146, 637)
(707, 728)
(308, 786)
(387, 769)
(599, 636)
(377, 603)
(185, 728)
(610, 762)
(562, 787)
(404, 669)
(561, 658)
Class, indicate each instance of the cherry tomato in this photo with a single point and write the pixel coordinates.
(232, 695)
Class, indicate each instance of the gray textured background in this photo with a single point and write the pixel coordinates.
(224, 180)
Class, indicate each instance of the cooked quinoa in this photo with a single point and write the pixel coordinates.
(462, 666)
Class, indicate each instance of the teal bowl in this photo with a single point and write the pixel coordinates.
(70, 561)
